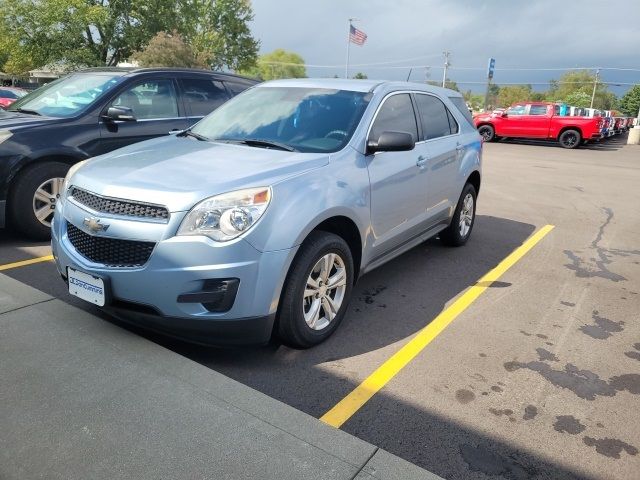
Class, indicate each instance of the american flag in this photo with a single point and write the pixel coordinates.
(357, 36)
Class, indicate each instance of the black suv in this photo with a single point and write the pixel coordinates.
(89, 113)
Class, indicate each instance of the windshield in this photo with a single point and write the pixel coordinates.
(67, 96)
(304, 119)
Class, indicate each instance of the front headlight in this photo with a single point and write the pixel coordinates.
(5, 135)
(70, 174)
(225, 217)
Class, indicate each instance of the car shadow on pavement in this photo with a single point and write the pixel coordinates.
(606, 144)
(388, 305)
(16, 248)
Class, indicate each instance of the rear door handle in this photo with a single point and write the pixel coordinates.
(422, 161)
(459, 147)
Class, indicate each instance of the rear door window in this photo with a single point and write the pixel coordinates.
(538, 110)
(435, 117)
(395, 115)
(202, 96)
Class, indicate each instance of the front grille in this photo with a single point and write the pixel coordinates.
(115, 206)
(111, 252)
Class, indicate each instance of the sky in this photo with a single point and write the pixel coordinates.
(533, 34)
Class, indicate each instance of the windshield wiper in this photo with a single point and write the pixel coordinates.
(189, 133)
(26, 110)
(256, 142)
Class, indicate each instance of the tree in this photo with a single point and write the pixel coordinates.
(578, 99)
(511, 94)
(360, 76)
(630, 102)
(278, 64)
(170, 50)
(100, 32)
(575, 85)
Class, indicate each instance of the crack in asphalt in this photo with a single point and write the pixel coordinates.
(583, 269)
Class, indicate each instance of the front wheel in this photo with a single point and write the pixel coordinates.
(459, 230)
(570, 139)
(316, 292)
(487, 132)
(34, 196)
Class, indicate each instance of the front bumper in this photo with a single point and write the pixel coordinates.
(153, 295)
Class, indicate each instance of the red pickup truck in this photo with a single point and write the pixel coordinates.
(538, 120)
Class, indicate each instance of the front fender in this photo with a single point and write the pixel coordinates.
(301, 203)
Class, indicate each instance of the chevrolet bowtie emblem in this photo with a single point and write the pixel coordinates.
(94, 224)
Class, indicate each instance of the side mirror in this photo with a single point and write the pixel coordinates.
(391, 142)
(123, 114)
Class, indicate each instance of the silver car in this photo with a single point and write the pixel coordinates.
(257, 221)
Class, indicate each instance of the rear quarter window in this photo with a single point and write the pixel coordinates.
(461, 105)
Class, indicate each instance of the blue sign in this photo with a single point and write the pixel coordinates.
(490, 68)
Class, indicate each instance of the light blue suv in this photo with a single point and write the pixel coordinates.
(258, 220)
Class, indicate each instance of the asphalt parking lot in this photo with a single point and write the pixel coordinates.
(538, 378)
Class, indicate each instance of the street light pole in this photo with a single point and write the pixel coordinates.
(595, 85)
(446, 66)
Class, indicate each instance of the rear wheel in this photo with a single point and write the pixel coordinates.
(459, 230)
(487, 132)
(570, 139)
(316, 292)
(34, 196)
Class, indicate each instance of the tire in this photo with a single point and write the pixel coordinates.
(455, 235)
(487, 132)
(570, 139)
(30, 192)
(293, 328)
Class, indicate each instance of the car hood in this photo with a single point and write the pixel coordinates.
(178, 172)
(14, 121)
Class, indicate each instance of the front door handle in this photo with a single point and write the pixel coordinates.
(422, 161)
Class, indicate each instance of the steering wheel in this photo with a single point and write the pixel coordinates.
(335, 133)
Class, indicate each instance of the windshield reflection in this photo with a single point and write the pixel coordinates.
(305, 119)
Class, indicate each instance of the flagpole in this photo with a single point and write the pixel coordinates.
(346, 66)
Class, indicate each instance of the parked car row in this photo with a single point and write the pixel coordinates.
(569, 126)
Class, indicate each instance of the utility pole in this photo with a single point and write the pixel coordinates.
(595, 85)
(446, 67)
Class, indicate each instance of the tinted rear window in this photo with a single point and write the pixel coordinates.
(461, 105)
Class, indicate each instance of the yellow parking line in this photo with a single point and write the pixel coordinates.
(24, 263)
(389, 369)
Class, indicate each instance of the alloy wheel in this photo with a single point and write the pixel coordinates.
(45, 199)
(466, 215)
(325, 291)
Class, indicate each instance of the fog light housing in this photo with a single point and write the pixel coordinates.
(217, 294)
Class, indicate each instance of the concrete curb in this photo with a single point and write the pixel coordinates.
(83, 398)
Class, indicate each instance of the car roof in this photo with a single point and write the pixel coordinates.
(354, 85)
(137, 70)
